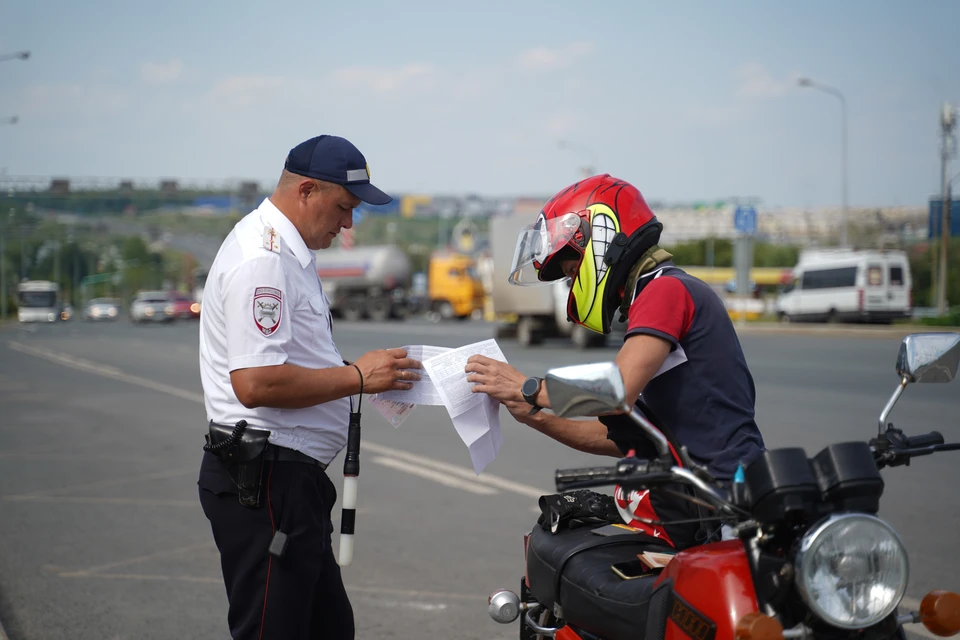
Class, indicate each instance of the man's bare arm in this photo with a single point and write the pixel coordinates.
(289, 386)
(588, 436)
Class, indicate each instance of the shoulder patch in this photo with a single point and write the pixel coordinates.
(271, 239)
(267, 309)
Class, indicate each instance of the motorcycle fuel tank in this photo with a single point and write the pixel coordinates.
(712, 589)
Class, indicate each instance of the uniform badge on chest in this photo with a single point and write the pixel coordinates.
(267, 309)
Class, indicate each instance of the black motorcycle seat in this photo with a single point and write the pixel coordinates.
(591, 596)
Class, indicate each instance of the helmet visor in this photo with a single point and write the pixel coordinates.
(540, 242)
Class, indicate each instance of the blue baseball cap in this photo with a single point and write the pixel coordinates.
(335, 159)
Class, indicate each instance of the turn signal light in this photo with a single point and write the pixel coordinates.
(940, 612)
(757, 626)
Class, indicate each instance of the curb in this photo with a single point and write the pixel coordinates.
(842, 331)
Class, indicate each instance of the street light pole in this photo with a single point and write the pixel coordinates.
(948, 121)
(807, 82)
(3, 277)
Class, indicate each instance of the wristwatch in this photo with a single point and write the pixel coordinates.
(529, 391)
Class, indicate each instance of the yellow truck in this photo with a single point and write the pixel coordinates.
(454, 286)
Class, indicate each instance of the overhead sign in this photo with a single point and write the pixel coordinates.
(745, 219)
(935, 220)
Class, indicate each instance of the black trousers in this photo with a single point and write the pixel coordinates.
(300, 596)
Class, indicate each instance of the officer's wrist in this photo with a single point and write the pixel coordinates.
(360, 380)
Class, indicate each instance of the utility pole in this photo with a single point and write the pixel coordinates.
(3, 276)
(56, 263)
(948, 121)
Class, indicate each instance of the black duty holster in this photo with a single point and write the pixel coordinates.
(240, 448)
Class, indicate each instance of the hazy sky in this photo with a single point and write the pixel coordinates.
(685, 99)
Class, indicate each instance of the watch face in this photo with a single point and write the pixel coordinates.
(530, 387)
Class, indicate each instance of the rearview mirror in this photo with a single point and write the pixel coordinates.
(929, 357)
(585, 389)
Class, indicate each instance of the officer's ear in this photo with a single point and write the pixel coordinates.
(307, 187)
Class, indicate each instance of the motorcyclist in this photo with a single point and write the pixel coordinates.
(681, 350)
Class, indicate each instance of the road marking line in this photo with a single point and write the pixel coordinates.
(143, 576)
(436, 476)
(146, 502)
(452, 469)
(492, 481)
(89, 571)
(409, 593)
(105, 371)
(101, 483)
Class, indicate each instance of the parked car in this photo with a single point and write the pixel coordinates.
(152, 306)
(185, 307)
(102, 309)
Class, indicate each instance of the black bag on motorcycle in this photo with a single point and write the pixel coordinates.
(573, 569)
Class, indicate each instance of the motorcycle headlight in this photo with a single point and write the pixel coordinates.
(852, 570)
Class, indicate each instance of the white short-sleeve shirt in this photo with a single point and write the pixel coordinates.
(263, 305)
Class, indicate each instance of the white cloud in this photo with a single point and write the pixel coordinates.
(755, 81)
(384, 80)
(546, 58)
(74, 99)
(161, 72)
(242, 91)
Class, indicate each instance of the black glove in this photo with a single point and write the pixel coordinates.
(575, 509)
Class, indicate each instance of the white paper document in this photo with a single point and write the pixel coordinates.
(475, 416)
(423, 391)
(393, 411)
(447, 373)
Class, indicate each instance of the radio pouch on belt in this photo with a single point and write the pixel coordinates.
(241, 448)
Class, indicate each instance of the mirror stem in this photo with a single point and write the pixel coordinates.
(663, 447)
(892, 401)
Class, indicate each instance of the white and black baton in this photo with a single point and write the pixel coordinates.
(351, 473)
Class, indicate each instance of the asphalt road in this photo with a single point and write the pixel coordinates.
(103, 537)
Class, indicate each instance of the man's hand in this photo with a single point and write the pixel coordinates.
(496, 379)
(387, 370)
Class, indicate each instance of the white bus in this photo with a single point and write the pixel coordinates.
(38, 301)
(847, 285)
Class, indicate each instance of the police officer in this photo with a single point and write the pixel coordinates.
(278, 395)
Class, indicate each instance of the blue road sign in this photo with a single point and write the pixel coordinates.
(745, 219)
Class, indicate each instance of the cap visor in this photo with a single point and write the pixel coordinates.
(368, 193)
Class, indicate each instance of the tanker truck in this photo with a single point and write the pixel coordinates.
(366, 282)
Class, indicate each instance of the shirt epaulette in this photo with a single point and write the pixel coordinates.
(271, 239)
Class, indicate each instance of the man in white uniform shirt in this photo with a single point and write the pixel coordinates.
(278, 397)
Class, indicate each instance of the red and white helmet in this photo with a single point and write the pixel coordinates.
(603, 223)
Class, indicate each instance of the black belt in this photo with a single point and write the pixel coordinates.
(283, 454)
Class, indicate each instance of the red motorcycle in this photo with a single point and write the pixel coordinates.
(806, 557)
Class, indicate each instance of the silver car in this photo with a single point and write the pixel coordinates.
(152, 306)
(102, 309)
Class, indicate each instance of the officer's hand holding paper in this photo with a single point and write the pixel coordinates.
(476, 417)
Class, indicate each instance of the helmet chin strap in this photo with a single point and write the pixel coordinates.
(648, 262)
